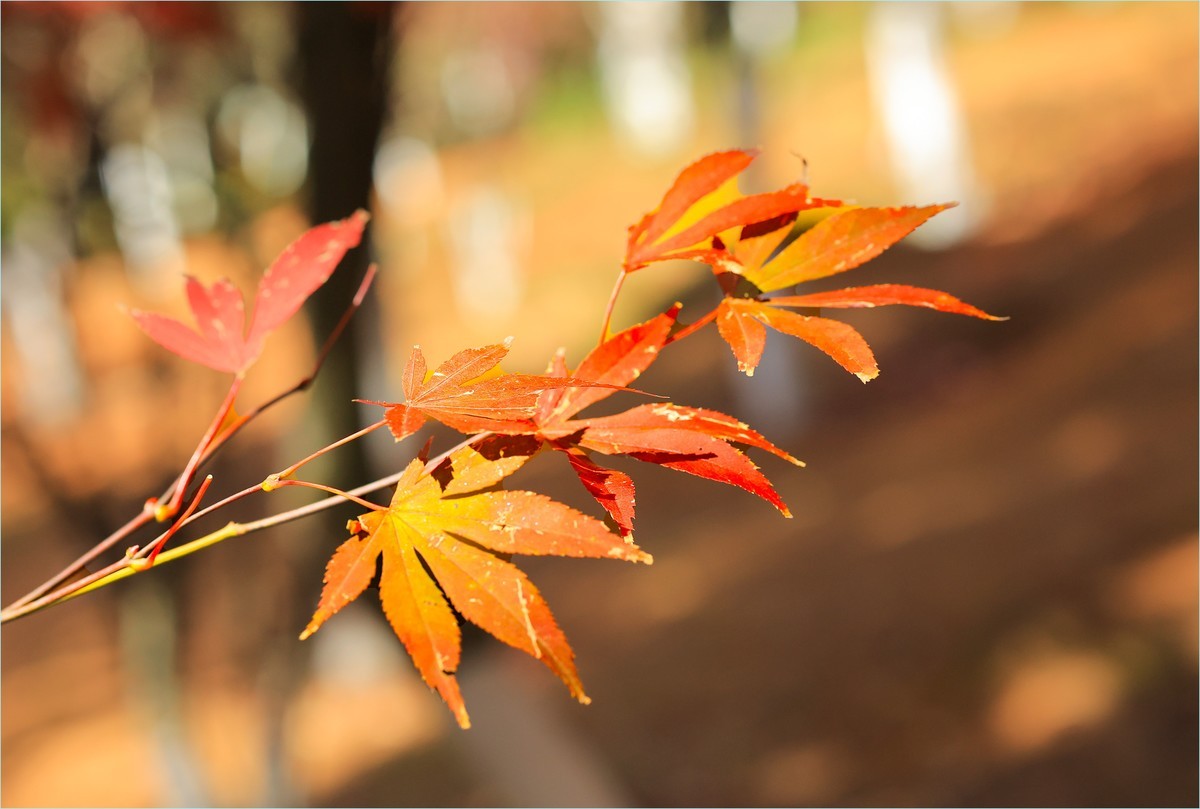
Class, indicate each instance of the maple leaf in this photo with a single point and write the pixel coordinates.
(688, 439)
(468, 393)
(611, 366)
(740, 322)
(617, 361)
(683, 438)
(457, 532)
(221, 340)
(840, 241)
(612, 489)
(704, 202)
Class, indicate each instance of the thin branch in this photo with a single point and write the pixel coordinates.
(152, 510)
(168, 510)
(145, 517)
(124, 568)
(330, 490)
(691, 328)
(291, 470)
(159, 543)
(70, 591)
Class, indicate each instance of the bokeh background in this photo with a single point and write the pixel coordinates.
(988, 594)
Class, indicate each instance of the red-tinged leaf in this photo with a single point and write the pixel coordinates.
(885, 295)
(745, 211)
(468, 364)
(463, 393)
(838, 243)
(499, 598)
(623, 357)
(725, 464)
(613, 490)
(691, 439)
(704, 202)
(415, 372)
(220, 318)
(220, 340)
(650, 419)
(615, 363)
(443, 521)
(179, 339)
(837, 339)
(696, 181)
(549, 400)
(744, 333)
(299, 271)
(217, 340)
(403, 420)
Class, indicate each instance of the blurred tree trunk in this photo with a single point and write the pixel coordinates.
(344, 59)
(343, 63)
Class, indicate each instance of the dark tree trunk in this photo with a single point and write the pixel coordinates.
(344, 60)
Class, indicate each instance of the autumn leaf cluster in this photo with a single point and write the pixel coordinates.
(441, 550)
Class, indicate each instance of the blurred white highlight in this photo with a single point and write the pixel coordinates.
(645, 78)
(926, 139)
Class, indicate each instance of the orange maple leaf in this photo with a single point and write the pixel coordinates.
(704, 202)
(469, 393)
(443, 522)
(691, 440)
(841, 240)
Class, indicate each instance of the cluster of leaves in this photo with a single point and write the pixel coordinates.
(442, 547)
(440, 516)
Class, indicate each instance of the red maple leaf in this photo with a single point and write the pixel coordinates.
(221, 340)
(618, 361)
(469, 393)
(691, 440)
